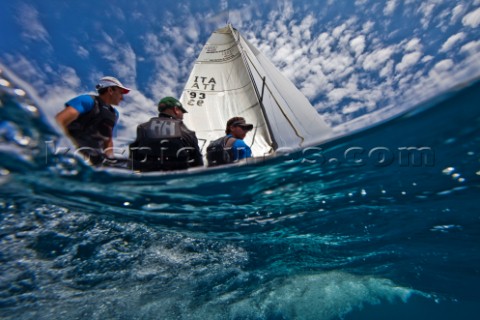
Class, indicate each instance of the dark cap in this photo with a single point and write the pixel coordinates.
(170, 102)
(240, 122)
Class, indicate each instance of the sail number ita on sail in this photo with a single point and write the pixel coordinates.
(200, 83)
(203, 84)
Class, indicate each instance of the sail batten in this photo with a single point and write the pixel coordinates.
(226, 81)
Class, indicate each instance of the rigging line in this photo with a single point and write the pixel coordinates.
(297, 133)
(256, 126)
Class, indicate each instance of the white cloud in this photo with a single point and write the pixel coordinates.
(339, 30)
(179, 36)
(360, 2)
(358, 44)
(136, 109)
(426, 9)
(387, 69)
(353, 107)
(239, 17)
(337, 94)
(390, 7)
(365, 99)
(283, 52)
(288, 53)
(408, 60)
(170, 67)
(447, 45)
(457, 12)
(33, 28)
(340, 61)
(324, 41)
(53, 95)
(165, 79)
(443, 66)
(337, 65)
(413, 45)
(69, 76)
(82, 52)
(151, 44)
(286, 9)
(315, 83)
(472, 19)
(122, 59)
(472, 47)
(329, 117)
(29, 68)
(427, 58)
(303, 31)
(224, 5)
(376, 59)
(439, 78)
(368, 26)
(191, 30)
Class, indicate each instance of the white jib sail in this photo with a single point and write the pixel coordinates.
(232, 78)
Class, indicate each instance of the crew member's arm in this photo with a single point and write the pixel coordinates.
(109, 148)
(108, 143)
(66, 116)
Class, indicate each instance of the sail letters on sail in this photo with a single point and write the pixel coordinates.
(203, 83)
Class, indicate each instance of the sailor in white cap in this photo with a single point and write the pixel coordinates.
(89, 119)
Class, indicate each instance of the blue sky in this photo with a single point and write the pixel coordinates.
(349, 57)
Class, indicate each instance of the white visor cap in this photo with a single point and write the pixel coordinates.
(106, 82)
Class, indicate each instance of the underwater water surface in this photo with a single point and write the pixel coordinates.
(381, 223)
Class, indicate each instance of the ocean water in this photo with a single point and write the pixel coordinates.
(383, 223)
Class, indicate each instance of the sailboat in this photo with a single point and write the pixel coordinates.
(233, 78)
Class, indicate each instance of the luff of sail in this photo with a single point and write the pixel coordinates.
(232, 78)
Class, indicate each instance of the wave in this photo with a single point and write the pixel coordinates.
(378, 216)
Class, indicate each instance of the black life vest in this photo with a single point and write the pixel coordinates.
(162, 145)
(220, 151)
(95, 127)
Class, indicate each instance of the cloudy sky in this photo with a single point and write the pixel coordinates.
(349, 57)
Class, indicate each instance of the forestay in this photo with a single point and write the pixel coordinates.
(232, 78)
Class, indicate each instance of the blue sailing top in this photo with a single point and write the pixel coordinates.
(84, 103)
(240, 149)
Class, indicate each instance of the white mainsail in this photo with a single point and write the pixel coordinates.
(232, 78)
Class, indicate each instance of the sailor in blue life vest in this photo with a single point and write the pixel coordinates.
(89, 119)
(231, 147)
(164, 142)
(237, 129)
